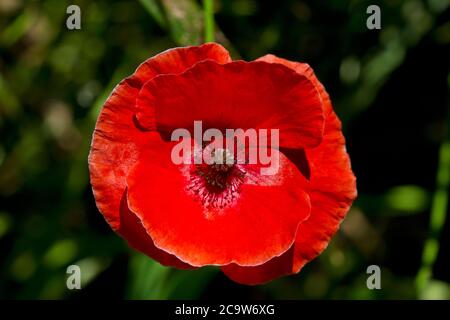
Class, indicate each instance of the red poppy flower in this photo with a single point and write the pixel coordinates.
(255, 227)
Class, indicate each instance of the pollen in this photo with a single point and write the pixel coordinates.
(223, 160)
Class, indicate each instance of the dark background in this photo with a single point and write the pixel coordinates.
(390, 88)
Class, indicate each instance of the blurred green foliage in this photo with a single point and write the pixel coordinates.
(53, 83)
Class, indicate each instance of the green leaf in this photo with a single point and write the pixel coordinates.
(148, 279)
(17, 28)
(397, 201)
(154, 8)
(407, 198)
(435, 290)
(185, 21)
(190, 284)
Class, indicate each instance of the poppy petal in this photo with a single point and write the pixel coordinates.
(178, 60)
(332, 183)
(238, 94)
(117, 140)
(275, 268)
(259, 223)
(332, 189)
(137, 237)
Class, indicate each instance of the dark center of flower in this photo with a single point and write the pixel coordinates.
(217, 185)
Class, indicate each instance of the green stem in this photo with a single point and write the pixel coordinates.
(438, 213)
(208, 16)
